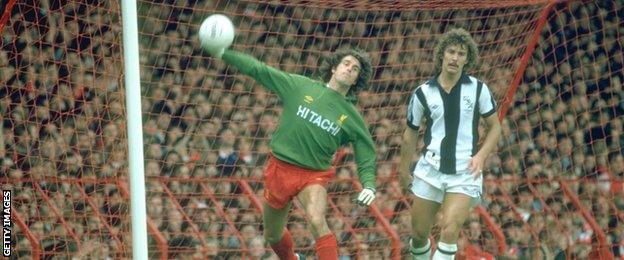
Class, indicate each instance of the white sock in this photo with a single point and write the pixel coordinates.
(421, 253)
(445, 251)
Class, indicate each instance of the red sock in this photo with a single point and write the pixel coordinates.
(327, 247)
(284, 248)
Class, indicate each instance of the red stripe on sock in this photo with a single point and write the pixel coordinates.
(327, 247)
(284, 248)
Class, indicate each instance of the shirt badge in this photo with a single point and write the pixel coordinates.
(342, 119)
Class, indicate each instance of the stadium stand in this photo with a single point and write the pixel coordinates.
(554, 188)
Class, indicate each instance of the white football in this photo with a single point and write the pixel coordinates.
(216, 32)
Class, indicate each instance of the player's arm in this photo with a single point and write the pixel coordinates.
(408, 149)
(415, 111)
(216, 35)
(487, 110)
(491, 140)
(365, 158)
(271, 78)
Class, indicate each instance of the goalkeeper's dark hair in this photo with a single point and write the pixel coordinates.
(460, 37)
(366, 69)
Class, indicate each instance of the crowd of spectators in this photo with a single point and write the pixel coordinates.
(63, 148)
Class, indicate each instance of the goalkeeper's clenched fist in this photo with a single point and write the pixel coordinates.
(216, 34)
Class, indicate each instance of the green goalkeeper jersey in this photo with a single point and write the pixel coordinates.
(315, 121)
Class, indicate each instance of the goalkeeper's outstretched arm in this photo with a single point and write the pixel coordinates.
(216, 36)
(269, 77)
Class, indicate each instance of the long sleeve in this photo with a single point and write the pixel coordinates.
(365, 157)
(271, 78)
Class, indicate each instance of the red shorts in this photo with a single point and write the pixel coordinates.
(283, 181)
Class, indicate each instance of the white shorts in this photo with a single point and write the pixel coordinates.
(431, 184)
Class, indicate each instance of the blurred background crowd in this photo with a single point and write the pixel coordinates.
(554, 187)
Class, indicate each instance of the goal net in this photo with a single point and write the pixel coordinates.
(553, 187)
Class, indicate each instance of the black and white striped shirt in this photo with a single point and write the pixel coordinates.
(452, 120)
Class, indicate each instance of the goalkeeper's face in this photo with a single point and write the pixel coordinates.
(347, 71)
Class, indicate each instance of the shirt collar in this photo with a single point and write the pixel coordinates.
(464, 79)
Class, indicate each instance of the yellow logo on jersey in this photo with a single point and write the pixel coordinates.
(308, 99)
(342, 119)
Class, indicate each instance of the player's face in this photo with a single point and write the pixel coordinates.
(347, 71)
(455, 57)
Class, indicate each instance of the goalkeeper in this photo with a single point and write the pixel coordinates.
(318, 118)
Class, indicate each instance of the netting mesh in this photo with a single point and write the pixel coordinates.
(553, 187)
(563, 142)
